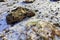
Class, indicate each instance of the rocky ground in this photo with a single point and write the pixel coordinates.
(46, 10)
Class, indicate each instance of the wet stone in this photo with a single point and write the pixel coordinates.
(1, 0)
(38, 4)
(28, 1)
(56, 24)
(54, 0)
(39, 12)
(18, 15)
(46, 16)
(52, 10)
(36, 10)
(56, 13)
(52, 17)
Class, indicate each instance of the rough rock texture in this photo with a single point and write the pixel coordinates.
(18, 15)
(41, 29)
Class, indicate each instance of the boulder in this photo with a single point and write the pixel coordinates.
(18, 15)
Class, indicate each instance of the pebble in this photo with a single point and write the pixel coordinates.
(54, 0)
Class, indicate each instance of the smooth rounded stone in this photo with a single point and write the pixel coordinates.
(18, 15)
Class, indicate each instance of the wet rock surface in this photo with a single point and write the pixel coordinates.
(18, 15)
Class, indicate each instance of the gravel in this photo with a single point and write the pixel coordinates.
(47, 10)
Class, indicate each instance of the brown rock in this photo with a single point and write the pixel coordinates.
(18, 15)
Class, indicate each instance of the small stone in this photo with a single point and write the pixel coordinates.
(28, 1)
(36, 10)
(51, 10)
(39, 12)
(52, 17)
(6, 31)
(56, 24)
(38, 4)
(46, 16)
(56, 13)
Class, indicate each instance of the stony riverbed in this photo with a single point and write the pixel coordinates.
(46, 10)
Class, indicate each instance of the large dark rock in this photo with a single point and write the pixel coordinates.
(18, 15)
(1, 0)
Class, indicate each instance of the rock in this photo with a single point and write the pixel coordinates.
(18, 15)
(36, 10)
(1, 0)
(57, 32)
(28, 1)
(56, 24)
(44, 29)
(55, 0)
